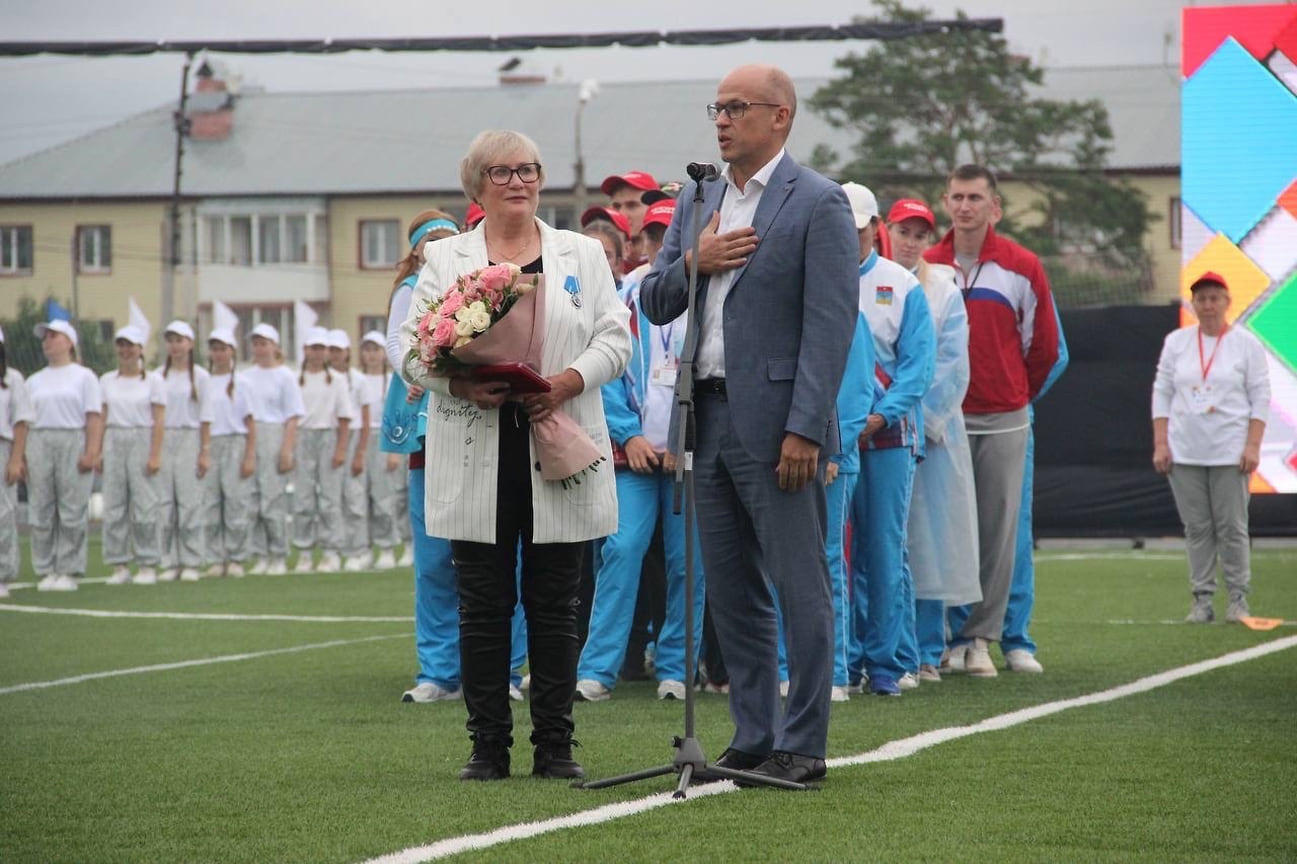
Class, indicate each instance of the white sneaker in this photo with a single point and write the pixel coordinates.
(65, 583)
(120, 576)
(515, 694)
(145, 576)
(953, 659)
(234, 569)
(49, 583)
(429, 692)
(857, 689)
(357, 564)
(1237, 609)
(329, 563)
(278, 567)
(977, 661)
(526, 682)
(304, 564)
(257, 566)
(385, 560)
(670, 689)
(839, 694)
(908, 681)
(783, 689)
(592, 691)
(189, 574)
(1022, 660)
(168, 574)
(407, 557)
(928, 672)
(4, 591)
(216, 571)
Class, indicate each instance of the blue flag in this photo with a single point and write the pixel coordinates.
(54, 311)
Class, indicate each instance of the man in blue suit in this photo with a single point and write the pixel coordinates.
(777, 297)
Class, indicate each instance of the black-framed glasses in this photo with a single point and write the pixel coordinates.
(500, 175)
(735, 108)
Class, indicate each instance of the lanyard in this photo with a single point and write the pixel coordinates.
(969, 284)
(1205, 366)
(664, 335)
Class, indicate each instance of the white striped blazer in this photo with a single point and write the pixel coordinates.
(586, 331)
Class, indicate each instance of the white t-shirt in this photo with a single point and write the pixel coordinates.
(185, 410)
(63, 396)
(327, 395)
(1208, 416)
(371, 390)
(130, 399)
(665, 344)
(276, 398)
(230, 413)
(15, 404)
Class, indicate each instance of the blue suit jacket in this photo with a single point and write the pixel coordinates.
(790, 313)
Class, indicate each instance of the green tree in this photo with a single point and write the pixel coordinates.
(23, 350)
(926, 104)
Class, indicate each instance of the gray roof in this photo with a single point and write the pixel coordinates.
(398, 141)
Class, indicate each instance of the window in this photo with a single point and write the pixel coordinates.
(240, 241)
(15, 249)
(268, 240)
(295, 240)
(321, 248)
(94, 249)
(1175, 222)
(214, 239)
(380, 244)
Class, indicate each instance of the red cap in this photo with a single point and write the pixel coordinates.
(608, 215)
(474, 215)
(660, 212)
(911, 208)
(1209, 278)
(641, 180)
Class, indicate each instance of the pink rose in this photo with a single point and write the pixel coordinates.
(496, 277)
(450, 304)
(444, 335)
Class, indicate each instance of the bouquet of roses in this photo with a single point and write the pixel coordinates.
(496, 315)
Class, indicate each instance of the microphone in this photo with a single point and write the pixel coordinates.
(700, 171)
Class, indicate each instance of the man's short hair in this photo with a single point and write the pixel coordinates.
(972, 171)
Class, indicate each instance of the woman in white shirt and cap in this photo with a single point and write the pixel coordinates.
(135, 404)
(62, 451)
(186, 457)
(356, 549)
(234, 459)
(16, 414)
(322, 441)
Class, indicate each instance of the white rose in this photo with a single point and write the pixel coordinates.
(480, 320)
(462, 341)
(477, 306)
(462, 313)
(463, 329)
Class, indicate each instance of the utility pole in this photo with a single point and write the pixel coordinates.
(181, 119)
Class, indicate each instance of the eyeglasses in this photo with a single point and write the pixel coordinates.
(735, 109)
(528, 172)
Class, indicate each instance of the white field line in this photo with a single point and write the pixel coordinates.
(892, 750)
(1130, 555)
(207, 616)
(186, 664)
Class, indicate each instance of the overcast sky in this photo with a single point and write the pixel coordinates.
(48, 99)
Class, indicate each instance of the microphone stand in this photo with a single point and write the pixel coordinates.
(690, 763)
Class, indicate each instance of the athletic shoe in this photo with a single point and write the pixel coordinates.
(145, 576)
(713, 687)
(1022, 660)
(526, 682)
(490, 761)
(884, 685)
(257, 566)
(589, 690)
(407, 557)
(671, 689)
(385, 560)
(168, 574)
(515, 694)
(908, 681)
(329, 563)
(1237, 608)
(65, 583)
(49, 583)
(121, 575)
(858, 688)
(953, 659)
(278, 567)
(928, 672)
(1201, 612)
(357, 564)
(553, 761)
(429, 692)
(189, 574)
(977, 661)
(234, 569)
(304, 564)
(216, 571)
(4, 591)
(783, 689)
(839, 694)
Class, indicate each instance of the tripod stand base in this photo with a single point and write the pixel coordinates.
(692, 767)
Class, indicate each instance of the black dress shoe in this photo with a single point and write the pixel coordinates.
(738, 760)
(490, 761)
(794, 767)
(554, 761)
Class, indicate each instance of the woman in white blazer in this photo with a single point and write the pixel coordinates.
(484, 492)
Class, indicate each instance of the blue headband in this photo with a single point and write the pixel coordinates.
(428, 227)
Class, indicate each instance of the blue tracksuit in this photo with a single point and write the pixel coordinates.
(905, 351)
(641, 500)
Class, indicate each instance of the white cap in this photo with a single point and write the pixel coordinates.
(58, 325)
(374, 336)
(180, 328)
(339, 339)
(224, 335)
(265, 331)
(131, 334)
(864, 206)
(316, 336)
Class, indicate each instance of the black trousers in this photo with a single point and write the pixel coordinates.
(551, 576)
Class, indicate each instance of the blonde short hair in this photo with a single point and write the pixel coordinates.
(487, 149)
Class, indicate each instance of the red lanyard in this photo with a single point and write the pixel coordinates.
(1206, 365)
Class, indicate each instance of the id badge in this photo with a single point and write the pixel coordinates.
(664, 376)
(1202, 399)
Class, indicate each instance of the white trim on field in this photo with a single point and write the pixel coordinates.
(208, 616)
